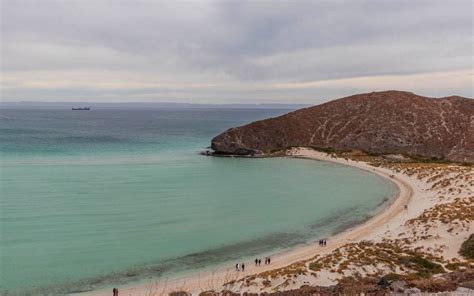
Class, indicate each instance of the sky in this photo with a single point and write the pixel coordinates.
(233, 51)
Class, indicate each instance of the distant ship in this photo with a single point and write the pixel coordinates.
(82, 109)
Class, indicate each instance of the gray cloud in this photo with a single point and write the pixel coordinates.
(237, 50)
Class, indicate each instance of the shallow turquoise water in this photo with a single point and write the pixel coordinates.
(105, 197)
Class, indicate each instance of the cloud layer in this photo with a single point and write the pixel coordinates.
(233, 51)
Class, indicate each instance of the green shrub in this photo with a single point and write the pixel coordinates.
(467, 248)
(453, 266)
(315, 266)
(423, 266)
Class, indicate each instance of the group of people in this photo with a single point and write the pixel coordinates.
(258, 261)
(240, 267)
(322, 242)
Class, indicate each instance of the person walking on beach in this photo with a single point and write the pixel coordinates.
(256, 261)
(259, 262)
(268, 260)
(243, 267)
(237, 267)
(115, 292)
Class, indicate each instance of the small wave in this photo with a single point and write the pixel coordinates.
(19, 131)
(88, 139)
(336, 216)
(350, 223)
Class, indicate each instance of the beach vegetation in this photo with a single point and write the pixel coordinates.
(316, 266)
(467, 248)
(327, 150)
(453, 266)
(423, 266)
(179, 293)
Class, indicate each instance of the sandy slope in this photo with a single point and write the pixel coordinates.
(389, 218)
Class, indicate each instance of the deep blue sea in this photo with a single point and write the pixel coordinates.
(102, 197)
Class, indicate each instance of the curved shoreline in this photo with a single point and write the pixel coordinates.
(201, 281)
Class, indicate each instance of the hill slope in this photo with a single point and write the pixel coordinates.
(378, 122)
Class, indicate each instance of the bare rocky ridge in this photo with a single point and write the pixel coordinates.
(388, 122)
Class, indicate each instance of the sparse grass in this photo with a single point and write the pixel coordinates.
(378, 256)
(458, 211)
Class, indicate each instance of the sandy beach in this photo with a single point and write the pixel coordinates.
(389, 221)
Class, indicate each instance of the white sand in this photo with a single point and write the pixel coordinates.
(390, 222)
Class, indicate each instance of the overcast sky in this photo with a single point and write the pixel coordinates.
(233, 51)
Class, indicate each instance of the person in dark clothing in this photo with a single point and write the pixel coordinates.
(237, 267)
(256, 261)
(259, 262)
(268, 260)
(243, 266)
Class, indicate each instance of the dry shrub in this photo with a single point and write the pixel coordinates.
(179, 293)
(434, 285)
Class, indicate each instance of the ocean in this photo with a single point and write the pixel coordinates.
(111, 196)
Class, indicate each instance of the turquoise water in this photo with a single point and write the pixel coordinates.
(111, 196)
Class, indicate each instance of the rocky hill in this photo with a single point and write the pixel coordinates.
(388, 122)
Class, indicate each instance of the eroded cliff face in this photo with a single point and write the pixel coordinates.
(378, 122)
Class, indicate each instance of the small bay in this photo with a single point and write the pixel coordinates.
(91, 198)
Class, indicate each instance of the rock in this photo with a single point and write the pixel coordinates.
(388, 122)
(465, 291)
(382, 282)
(467, 284)
(398, 286)
(412, 291)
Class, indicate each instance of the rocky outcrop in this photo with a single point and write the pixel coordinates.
(388, 122)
